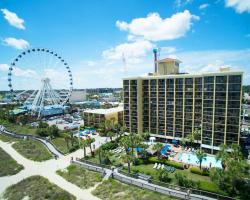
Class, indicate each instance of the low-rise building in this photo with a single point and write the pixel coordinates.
(98, 116)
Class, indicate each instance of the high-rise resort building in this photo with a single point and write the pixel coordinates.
(170, 105)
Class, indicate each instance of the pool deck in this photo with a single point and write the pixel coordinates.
(178, 151)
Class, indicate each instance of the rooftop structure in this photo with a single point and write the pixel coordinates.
(105, 111)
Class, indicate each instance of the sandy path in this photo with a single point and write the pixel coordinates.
(46, 169)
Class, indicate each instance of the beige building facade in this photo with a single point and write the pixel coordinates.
(170, 105)
(98, 116)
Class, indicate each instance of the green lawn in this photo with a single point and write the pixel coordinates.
(5, 138)
(61, 144)
(29, 148)
(205, 182)
(32, 150)
(148, 169)
(79, 176)
(36, 188)
(8, 166)
(25, 129)
(113, 190)
(114, 158)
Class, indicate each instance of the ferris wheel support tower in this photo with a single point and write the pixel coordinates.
(46, 92)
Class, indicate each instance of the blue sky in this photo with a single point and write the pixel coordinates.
(96, 36)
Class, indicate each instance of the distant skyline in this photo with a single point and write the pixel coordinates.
(105, 40)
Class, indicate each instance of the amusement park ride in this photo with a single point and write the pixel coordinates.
(41, 99)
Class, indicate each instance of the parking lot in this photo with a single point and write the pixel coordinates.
(65, 122)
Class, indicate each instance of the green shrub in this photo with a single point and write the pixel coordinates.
(73, 148)
(197, 170)
(138, 161)
(175, 164)
(110, 145)
(163, 176)
(210, 187)
(183, 181)
(167, 162)
(134, 171)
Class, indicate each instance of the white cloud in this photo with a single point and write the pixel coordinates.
(13, 19)
(19, 72)
(212, 60)
(4, 67)
(239, 5)
(58, 78)
(155, 28)
(181, 3)
(89, 63)
(26, 73)
(132, 51)
(16, 43)
(203, 6)
(167, 50)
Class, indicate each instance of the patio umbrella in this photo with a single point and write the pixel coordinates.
(174, 141)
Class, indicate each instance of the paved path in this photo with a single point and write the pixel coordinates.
(45, 142)
(46, 169)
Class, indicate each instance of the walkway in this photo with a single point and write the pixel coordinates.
(45, 142)
(46, 169)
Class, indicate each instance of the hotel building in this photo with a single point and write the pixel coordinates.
(170, 105)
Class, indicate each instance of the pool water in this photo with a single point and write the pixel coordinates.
(192, 159)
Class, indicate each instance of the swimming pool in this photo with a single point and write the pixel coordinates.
(192, 159)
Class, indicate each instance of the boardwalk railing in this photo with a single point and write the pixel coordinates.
(164, 188)
(89, 166)
(156, 188)
(34, 137)
(93, 163)
(184, 189)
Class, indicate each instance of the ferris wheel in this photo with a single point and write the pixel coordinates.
(39, 78)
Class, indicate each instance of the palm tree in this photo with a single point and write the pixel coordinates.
(145, 135)
(90, 141)
(100, 154)
(135, 140)
(84, 144)
(102, 127)
(128, 158)
(108, 124)
(236, 152)
(200, 156)
(223, 155)
(190, 139)
(117, 128)
(72, 139)
(125, 142)
(158, 146)
(67, 139)
(110, 134)
(123, 129)
(195, 135)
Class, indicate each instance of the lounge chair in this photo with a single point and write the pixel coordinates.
(167, 168)
(159, 166)
(172, 169)
(155, 166)
(162, 166)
